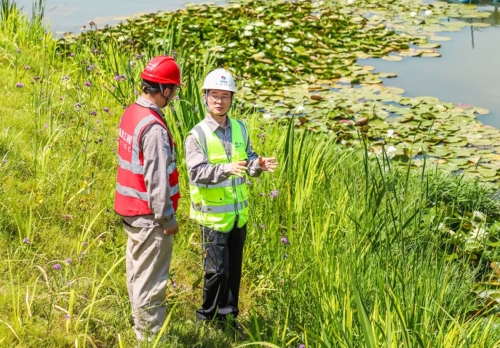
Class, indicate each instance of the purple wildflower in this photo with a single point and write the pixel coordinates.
(57, 267)
(68, 261)
(77, 105)
(90, 67)
(65, 77)
(108, 210)
(27, 67)
(18, 50)
(67, 317)
(93, 113)
(262, 226)
(86, 83)
(285, 241)
(72, 55)
(66, 216)
(92, 24)
(105, 109)
(120, 77)
(274, 193)
(19, 85)
(63, 113)
(302, 345)
(85, 244)
(26, 240)
(174, 285)
(46, 126)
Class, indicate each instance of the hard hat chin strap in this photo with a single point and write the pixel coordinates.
(163, 95)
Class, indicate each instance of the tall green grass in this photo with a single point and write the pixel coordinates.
(343, 250)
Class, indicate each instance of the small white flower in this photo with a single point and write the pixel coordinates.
(413, 14)
(350, 2)
(390, 151)
(299, 108)
(428, 13)
(390, 133)
(478, 234)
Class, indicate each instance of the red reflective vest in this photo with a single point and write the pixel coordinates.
(131, 196)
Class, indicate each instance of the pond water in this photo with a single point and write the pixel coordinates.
(70, 15)
(466, 72)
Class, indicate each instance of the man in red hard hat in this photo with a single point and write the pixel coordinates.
(147, 193)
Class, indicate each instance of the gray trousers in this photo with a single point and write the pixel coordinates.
(147, 263)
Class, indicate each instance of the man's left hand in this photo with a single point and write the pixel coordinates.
(269, 164)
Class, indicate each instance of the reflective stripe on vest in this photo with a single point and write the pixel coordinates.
(130, 192)
(219, 205)
(220, 208)
(138, 169)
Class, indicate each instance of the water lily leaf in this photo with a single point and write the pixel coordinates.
(431, 55)
(392, 58)
(487, 172)
(439, 38)
(481, 111)
(388, 75)
(429, 45)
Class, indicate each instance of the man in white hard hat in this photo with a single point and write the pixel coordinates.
(218, 155)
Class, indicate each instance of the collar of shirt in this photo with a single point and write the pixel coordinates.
(213, 124)
(150, 105)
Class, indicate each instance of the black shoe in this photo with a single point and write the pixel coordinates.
(231, 325)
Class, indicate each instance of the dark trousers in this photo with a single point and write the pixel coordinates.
(222, 264)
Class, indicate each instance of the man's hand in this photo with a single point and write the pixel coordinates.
(268, 163)
(239, 168)
(172, 230)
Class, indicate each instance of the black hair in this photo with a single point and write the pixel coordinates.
(154, 88)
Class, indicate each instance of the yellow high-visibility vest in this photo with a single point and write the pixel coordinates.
(217, 206)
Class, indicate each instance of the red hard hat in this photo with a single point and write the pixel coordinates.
(163, 70)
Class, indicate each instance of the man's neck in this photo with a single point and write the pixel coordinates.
(221, 120)
(151, 99)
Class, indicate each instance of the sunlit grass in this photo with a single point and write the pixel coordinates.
(343, 249)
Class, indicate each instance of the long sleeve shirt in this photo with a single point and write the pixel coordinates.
(158, 155)
(200, 171)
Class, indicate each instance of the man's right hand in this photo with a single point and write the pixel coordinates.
(172, 230)
(238, 168)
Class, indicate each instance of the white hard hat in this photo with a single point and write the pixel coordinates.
(220, 79)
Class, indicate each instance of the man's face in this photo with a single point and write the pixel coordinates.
(218, 101)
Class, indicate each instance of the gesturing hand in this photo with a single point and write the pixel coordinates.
(268, 163)
(238, 168)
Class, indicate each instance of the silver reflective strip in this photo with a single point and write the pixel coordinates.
(225, 183)
(202, 139)
(174, 190)
(130, 192)
(229, 208)
(135, 142)
(171, 167)
(134, 168)
(244, 132)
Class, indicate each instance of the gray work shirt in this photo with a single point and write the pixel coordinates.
(200, 171)
(158, 155)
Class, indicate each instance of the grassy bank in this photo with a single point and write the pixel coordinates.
(344, 249)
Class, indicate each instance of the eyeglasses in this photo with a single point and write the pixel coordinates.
(223, 98)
